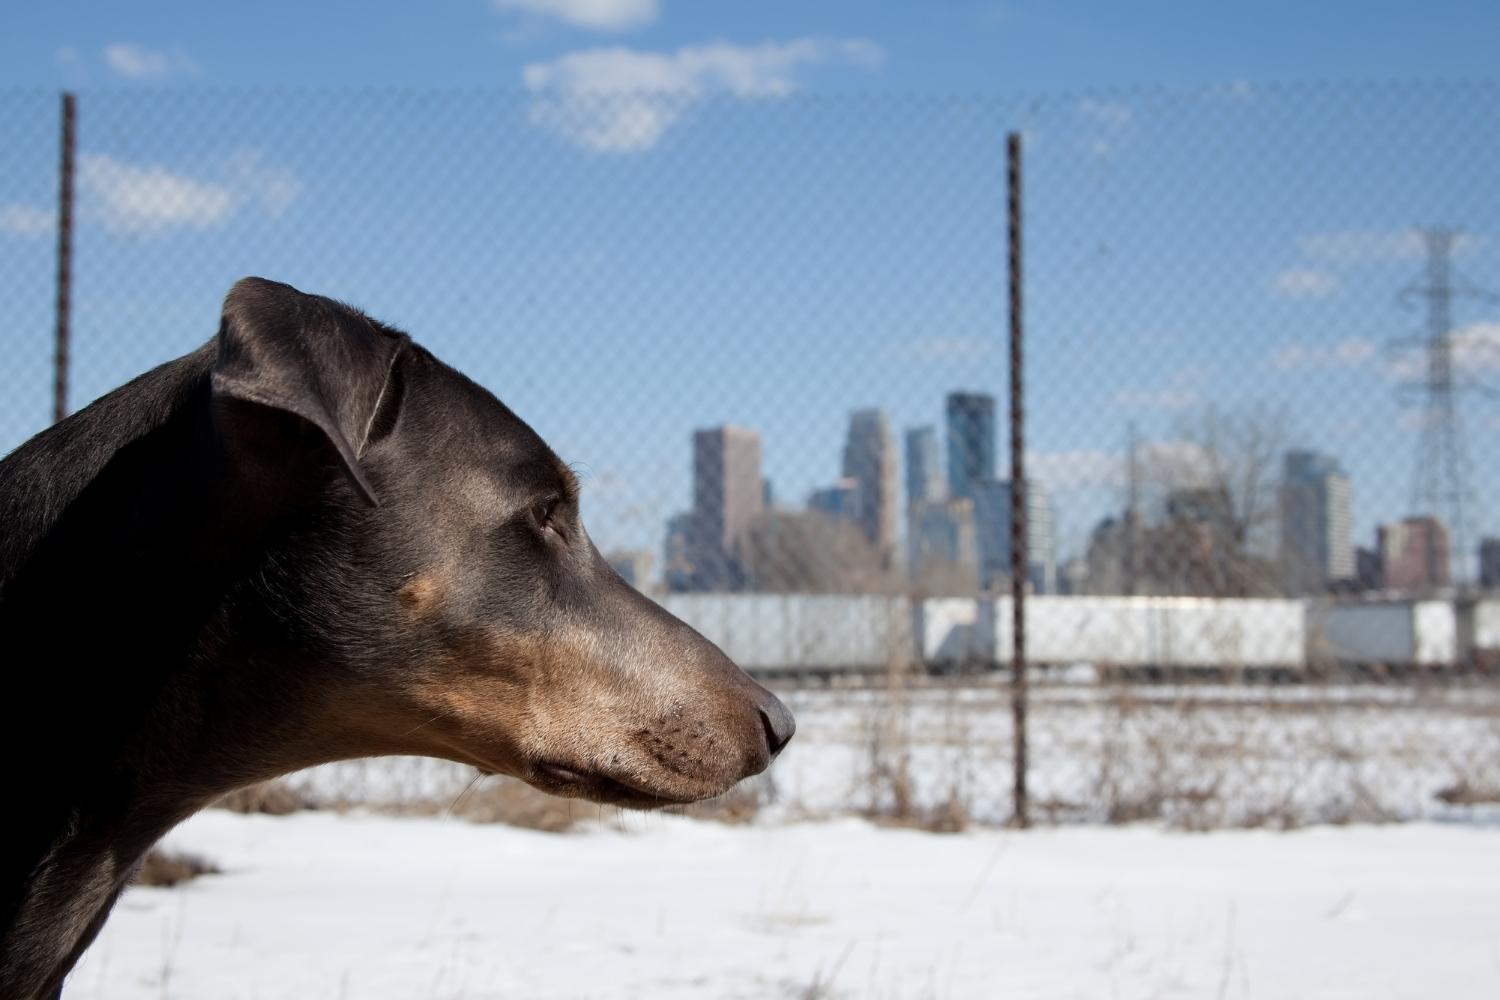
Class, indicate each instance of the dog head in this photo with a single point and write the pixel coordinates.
(430, 561)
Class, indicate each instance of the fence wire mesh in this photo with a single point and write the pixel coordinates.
(770, 332)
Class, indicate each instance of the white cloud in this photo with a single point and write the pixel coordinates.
(25, 220)
(621, 100)
(1178, 464)
(1115, 114)
(137, 200)
(1181, 462)
(1350, 352)
(273, 188)
(1474, 353)
(1355, 246)
(1169, 398)
(1181, 391)
(594, 15)
(1476, 349)
(136, 62)
(1111, 122)
(1072, 470)
(146, 200)
(1304, 283)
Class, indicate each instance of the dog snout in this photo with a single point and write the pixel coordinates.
(778, 723)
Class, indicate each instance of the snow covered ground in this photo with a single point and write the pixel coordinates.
(360, 906)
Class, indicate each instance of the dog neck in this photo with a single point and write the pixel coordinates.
(87, 828)
(138, 702)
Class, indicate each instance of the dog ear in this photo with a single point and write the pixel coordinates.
(308, 356)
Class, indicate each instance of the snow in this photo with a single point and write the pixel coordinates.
(355, 905)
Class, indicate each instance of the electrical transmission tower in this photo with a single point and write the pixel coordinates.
(1442, 484)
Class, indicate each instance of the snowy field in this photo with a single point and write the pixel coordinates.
(360, 906)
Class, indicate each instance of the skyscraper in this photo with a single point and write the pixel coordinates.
(1414, 554)
(870, 460)
(924, 466)
(924, 485)
(992, 520)
(678, 571)
(1316, 522)
(971, 441)
(1489, 563)
(728, 495)
(943, 545)
(839, 501)
(633, 565)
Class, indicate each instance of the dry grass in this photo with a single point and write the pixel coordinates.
(163, 869)
(894, 798)
(1465, 793)
(269, 798)
(513, 803)
(741, 804)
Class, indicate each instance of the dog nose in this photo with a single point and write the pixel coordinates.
(778, 723)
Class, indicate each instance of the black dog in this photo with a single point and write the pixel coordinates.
(307, 541)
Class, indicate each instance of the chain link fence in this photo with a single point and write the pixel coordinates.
(770, 330)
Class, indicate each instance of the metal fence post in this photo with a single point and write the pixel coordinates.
(64, 254)
(1018, 574)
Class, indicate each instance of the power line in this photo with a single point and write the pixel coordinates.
(1442, 480)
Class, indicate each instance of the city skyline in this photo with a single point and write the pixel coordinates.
(947, 538)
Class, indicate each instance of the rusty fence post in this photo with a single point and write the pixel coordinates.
(64, 254)
(1018, 555)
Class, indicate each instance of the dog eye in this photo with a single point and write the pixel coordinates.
(542, 512)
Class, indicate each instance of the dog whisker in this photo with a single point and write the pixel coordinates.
(467, 789)
(423, 725)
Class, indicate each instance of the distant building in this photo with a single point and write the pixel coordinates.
(1073, 577)
(728, 495)
(633, 565)
(839, 501)
(924, 466)
(1315, 507)
(971, 441)
(1112, 561)
(1209, 507)
(925, 484)
(992, 525)
(870, 460)
(1367, 573)
(802, 552)
(1489, 563)
(944, 547)
(678, 572)
(1414, 554)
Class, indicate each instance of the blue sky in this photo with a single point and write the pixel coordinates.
(951, 46)
(797, 213)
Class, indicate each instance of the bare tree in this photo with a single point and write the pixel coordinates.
(810, 553)
(1211, 496)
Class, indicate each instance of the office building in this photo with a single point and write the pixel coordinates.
(1414, 554)
(924, 466)
(944, 547)
(870, 460)
(971, 441)
(992, 526)
(1316, 517)
(728, 495)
